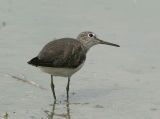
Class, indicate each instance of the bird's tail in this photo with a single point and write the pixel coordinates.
(34, 61)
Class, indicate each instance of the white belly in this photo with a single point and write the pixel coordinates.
(64, 72)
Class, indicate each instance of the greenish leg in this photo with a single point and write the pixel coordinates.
(67, 88)
(52, 87)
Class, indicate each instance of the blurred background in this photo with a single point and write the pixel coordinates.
(121, 83)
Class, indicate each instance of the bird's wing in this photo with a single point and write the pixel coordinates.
(65, 52)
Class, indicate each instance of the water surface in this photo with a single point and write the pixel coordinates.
(115, 83)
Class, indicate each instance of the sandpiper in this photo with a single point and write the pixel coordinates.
(64, 57)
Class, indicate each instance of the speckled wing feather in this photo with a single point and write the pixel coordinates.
(65, 52)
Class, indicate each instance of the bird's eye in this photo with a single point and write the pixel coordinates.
(91, 35)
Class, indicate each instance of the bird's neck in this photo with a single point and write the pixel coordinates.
(88, 45)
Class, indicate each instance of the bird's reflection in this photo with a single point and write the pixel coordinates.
(66, 115)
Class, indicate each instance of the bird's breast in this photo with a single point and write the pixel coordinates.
(63, 72)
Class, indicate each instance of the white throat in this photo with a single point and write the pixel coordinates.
(88, 45)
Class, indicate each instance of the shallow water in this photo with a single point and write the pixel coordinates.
(121, 83)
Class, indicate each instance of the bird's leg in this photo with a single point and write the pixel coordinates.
(52, 87)
(67, 88)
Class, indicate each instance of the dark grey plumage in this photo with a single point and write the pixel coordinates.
(61, 53)
(64, 57)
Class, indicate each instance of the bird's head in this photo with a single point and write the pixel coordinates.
(90, 39)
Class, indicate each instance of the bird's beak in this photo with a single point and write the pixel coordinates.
(107, 43)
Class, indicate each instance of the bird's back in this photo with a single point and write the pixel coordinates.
(61, 53)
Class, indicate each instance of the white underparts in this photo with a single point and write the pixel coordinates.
(63, 72)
